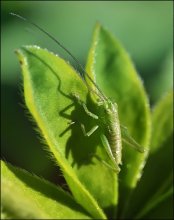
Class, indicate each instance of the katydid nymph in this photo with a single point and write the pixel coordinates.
(112, 133)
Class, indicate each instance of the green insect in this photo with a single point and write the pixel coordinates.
(107, 119)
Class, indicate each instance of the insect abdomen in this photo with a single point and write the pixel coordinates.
(114, 135)
(115, 141)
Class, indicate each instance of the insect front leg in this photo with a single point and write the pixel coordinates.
(92, 115)
(80, 102)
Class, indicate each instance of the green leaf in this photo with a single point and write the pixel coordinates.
(164, 78)
(48, 84)
(112, 69)
(25, 196)
(164, 210)
(117, 77)
(160, 196)
(162, 124)
(160, 154)
(157, 178)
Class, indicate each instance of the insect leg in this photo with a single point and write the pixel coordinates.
(89, 133)
(84, 106)
(109, 152)
(106, 164)
(88, 112)
(126, 137)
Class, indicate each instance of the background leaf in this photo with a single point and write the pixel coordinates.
(158, 176)
(161, 120)
(163, 81)
(28, 197)
(163, 210)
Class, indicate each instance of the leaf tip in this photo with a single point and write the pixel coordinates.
(19, 56)
(98, 25)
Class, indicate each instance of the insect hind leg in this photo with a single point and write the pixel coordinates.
(115, 169)
(109, 152)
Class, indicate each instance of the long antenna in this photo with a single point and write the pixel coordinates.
(68, 52)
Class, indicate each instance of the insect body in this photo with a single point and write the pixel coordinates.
(111, 127)
(107, 119)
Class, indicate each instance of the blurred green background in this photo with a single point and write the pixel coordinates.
(145, 29)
